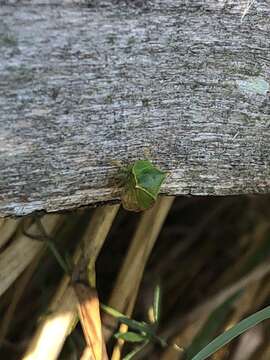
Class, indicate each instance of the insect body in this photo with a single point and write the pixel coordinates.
(142, 185)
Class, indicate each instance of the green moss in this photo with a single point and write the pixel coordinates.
(145, 102)
(108, 99)
(8, 40)
(111, 38)
(131, 41)
(21, 74)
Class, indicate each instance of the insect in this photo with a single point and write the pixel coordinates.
(142, 185)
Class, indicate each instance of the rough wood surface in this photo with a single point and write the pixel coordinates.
(83, 84)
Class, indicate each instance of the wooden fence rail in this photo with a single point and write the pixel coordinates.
(82, 84)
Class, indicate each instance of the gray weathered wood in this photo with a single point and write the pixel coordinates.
(83, 84)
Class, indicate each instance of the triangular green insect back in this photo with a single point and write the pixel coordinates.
(144, 200)
(143, 182)
(148, 178)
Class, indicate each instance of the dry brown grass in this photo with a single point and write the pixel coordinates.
(202, 250)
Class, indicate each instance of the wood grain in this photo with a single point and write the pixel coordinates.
(83, 84)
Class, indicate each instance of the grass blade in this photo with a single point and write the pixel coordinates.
(210, 328)
(115, 313)
(89, 313)
(133, 324)
(130, 336)
(157, 303)
(232, 333)
(130, 355)
(136, 325)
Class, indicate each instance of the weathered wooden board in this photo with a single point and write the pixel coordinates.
(84, 84)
